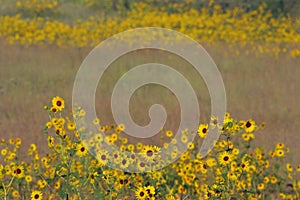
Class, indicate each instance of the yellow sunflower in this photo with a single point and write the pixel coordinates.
(15, 194)
(150, 191)
(102, 157)
(58, 103)
(57, 185)
(279, 153)
(169, 133)
(150, 152)
(141, 165)
(54, 109)
(71, 126)
(36, 195)
(190, 145)
(203, 130)
(261, 186)
(225, 158)
(250, 126)
(92, 177)
(50, 141)
(141, 193)
(81, 150)
(28, 178)
(18, 171)
(124, 163)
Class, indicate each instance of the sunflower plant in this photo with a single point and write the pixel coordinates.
(233, 169)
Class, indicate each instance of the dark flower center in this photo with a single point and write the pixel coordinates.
(248, 124)
(103, 157)
(18, 171)
(58, 103)
(204, 130)
(226, 158)
(142, 164)
(149, 153)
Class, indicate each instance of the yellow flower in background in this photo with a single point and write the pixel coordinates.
(279, 153)
(71, 126)
(103, 157)
(250, 126)
(120, 128)
(150, 191)
(203, 130)
(3, 152)
(50, 141)
(141, 193)
(246, 137)
(150, 152)
(28, 178)
(36, 195)
(81, 150)
(92, 177)
(15, 194)
(96, 121)
(261, 186)
(279, 145)
(54, 109)
(42, 183)
(169, 133)
(214, 122)
(57, 185)
(225, 158)
(58, 103)
(258, 29)
(18, 171)
(190, 145)
(289, 167)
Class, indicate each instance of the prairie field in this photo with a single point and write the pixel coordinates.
(42, 46)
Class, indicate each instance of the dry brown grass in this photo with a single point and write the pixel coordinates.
(261, 88)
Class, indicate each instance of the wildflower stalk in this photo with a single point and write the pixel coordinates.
(6, 189)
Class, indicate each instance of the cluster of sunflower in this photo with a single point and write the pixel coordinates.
(257, 30)
(81, 164)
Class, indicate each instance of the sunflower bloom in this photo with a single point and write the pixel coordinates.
(225, 158)
(250, 126)
(81, 150)
(58, 103)
(141, 193)
(36, 195)
(150, 152)
(203, 130)
(18, 172)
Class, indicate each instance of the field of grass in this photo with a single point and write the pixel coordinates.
(261, 88)
(261, 76)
